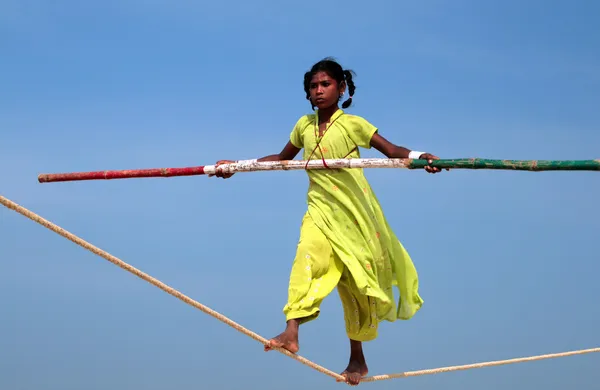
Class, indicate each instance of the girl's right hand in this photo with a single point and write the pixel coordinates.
(222, 174)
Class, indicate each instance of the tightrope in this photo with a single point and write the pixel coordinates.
(70, 236)
(478, 365)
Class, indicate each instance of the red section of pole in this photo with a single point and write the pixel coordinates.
(122, 174)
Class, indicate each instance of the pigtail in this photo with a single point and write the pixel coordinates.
(351, 88)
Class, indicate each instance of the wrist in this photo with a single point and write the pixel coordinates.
(415, 154)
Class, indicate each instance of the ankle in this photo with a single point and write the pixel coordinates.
(292, 326)
(356, 351)
(355, 346)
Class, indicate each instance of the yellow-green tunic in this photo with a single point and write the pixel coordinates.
(345, 240)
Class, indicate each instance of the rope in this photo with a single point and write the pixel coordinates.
(477, 365)
(36, 218)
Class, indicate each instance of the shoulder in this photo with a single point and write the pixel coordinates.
(359, 129)
(355, 120)
(305, 120)
(299, 130)
(357, 123)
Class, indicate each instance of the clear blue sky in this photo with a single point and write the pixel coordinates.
(508, 261)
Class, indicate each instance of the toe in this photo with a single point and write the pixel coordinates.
(347, 378)
(345, 375)
(354, 378)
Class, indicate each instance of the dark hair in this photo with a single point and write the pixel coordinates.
(336, 72)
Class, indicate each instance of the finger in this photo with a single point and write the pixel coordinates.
(429, 168)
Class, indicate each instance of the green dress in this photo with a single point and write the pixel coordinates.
(342, 205)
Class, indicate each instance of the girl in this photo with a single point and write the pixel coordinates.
(345, 240)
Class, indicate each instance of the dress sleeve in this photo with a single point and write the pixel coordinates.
(360, 131)
(297, 135)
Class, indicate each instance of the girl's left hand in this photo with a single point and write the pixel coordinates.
(430, 157)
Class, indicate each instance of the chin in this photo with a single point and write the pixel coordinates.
(323, 106)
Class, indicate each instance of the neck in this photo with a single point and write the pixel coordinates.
(326, 113)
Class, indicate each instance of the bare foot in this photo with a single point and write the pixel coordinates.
(357, 367)
(355, 372)
(288, 339)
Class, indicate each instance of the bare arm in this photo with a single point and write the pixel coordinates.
(387, 148)
(394, 151)
(288, 152)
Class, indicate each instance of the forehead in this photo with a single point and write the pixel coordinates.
(320, 77)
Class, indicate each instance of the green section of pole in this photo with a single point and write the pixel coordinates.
(517, 165)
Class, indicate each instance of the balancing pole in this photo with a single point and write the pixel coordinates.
(251, 166)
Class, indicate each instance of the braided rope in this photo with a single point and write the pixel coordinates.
(477, 365)
(36, 218)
